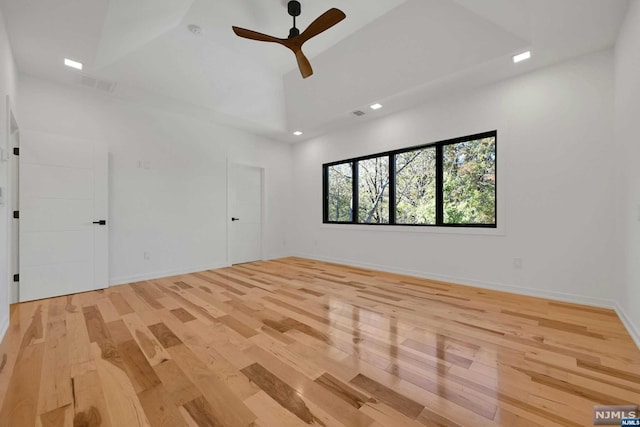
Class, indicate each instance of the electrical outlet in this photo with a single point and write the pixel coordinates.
(147, 164)
(147, 255)
(517, 263)
(139, 164)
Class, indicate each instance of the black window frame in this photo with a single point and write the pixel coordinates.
(439, 146)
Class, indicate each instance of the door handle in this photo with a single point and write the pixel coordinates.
(235, 219)
(101, 222)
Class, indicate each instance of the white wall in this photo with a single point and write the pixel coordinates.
(554, 182)
(7, 87)
(626, 155)
(176, 209)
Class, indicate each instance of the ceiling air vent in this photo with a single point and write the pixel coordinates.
(358, 113)
(105, 85)
(94, 83)
(87, 81)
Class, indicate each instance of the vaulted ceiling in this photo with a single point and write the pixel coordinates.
(397, 52)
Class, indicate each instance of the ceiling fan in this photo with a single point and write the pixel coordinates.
(296, 39)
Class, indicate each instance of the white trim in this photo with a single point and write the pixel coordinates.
(558, 296)
(228, 189)
(263, 212)
(482, 231)
(4, 327)
(114, 281)
(633, 330)
(12, 252)
(271, 257)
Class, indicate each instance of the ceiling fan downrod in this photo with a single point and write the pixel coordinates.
(294, 9)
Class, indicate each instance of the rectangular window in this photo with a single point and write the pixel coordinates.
(340, 194)
(373, 191)
(469, 188)
(416, 186)
(447, 183)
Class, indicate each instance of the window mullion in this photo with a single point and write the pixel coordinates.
(439, 184)
(356, 196)
(392, 189)
(325, 194)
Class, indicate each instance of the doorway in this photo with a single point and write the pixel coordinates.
(245, 213)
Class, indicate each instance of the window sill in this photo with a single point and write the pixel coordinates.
(499, 231)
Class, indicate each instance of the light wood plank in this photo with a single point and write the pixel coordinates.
(294, 342)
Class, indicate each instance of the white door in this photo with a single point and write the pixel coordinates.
(63, 190)
(245, 201)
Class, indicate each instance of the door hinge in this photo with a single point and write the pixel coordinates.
(16, 277)
(16, 214)
(16, 151)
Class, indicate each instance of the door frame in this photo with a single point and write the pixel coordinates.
(230, 165)
(13, 193)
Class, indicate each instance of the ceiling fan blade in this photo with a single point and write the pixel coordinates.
(303, 63)
(325, 21)
(322, 23)
(254, 35)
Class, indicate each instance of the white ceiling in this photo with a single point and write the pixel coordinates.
(397, 52)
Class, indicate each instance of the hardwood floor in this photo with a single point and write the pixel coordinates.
(294, 342)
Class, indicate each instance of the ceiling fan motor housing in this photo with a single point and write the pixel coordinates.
(294, 8)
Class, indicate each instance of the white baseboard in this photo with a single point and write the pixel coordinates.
(4, 327)
(276, 256)
(628, 323)
(558, 296)
(121, 280)
(632, 329)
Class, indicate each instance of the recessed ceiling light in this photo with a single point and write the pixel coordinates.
(521, 57)
(376, 106)
(297, 133)
(73, 64)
